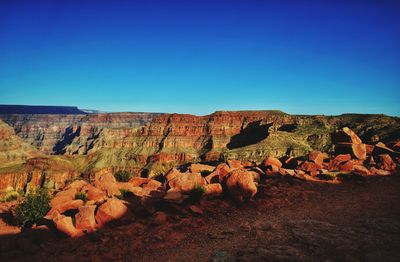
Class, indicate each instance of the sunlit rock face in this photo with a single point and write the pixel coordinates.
(150, 144)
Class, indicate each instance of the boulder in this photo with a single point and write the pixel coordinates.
(139, 181)
(85, 219)
(234, 163)
(272, 164)
(380, 172)
(64, 224)
(361, 170)
(212, 190)
(385, 162)
(346, 141)
(94, 194)
(217, 176)
(241, 185)
(63, 196)
(317, 157)
(186, 182)
(172, 174)
(174, 195)
(106, 182)
(111, 210)
(381, 148)
(77, 185)
(346, 135)
(310, 167)
(152, 185)
(61, 208)
(199, 168)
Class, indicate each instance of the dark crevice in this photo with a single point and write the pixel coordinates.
(252, 134)
(69, 135)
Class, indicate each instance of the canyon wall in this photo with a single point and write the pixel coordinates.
(150, 143)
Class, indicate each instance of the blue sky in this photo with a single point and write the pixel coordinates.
(303, 57)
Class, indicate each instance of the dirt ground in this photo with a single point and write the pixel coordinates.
(287, 221)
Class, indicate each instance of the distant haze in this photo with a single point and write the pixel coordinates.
(301, 57)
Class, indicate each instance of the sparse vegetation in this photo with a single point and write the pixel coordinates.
(82, 196)
(196, 193)
(205, 173)
(328, 176)
(123, 176)
(33, 208)
(124, 194)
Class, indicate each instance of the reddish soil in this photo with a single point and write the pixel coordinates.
(287, 221)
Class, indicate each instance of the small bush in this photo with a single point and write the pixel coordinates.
(124, 194)
(34, 207)
(205, 173)
(81, 196)
(196, 193)
(326, 176)
(122, 176)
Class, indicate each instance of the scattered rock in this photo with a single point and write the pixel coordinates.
(111, 210)
(241, 185)
(85, 218)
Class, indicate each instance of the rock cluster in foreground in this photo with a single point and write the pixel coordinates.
(106, 199)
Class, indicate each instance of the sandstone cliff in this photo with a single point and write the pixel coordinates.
(153, 143)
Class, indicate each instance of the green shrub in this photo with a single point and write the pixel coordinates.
(124, 193)
(81, 196)
(196, 193)
(34, 207)
(122, 176)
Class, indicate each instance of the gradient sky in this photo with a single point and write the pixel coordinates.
(201, 56)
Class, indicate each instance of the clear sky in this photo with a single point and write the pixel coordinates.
(303, 57)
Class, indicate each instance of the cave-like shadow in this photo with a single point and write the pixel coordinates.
(252, 134)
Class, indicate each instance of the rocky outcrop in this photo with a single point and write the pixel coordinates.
(150, 144)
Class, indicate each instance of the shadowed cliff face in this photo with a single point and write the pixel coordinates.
(154, 142)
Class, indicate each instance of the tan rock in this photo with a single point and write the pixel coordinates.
(106, 182)
(111, 210)
(186, 182)
(234, 163)
(64, 224)
(317, 157)
(385, 162)
(93, 193)
(213, 190)
(63, 196)
(85, 219)
(77, 185)
(198, 168)
(241, 185)
(174, 195)
(361, 170)
(221, 171)
(172, 174)
(152, 185)
(61, 208)
(273, 164)
(138, 181)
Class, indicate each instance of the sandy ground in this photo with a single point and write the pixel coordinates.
(287, 221)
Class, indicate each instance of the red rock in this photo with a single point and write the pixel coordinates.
(369, 148)
(63, 196)
(241, 185)
(342, 158)
(172, 174)
(77, 185)
(221, 171)
(186, 182)
(346, 135)
(213, 190)
(139, 181)
(380, 172)
(234, 164)
(358, 150)
(198, 168)
(174, 195)
(385, 162)
(61, 208)
(152, 185)
(105, 181)
(247, 164)
(111, 210)
(396, 146)
(64, 224)
(317, 157)
(273, 164)
(361, 170)
(94, 193)
(85, 219)
(310, 167)
(347, 166)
